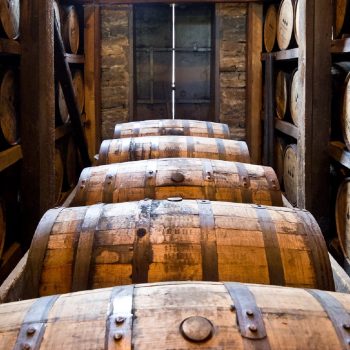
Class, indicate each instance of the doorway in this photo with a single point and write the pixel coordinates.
(174, 61)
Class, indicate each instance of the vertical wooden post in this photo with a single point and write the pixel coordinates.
(314, 65)
(254, 81)
(92, 48)
(37, 112)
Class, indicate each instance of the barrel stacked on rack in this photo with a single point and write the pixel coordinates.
(176, 208)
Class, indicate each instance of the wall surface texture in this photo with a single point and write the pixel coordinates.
(116, 71)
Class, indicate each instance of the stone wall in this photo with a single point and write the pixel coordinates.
(115, 76)
(233, 44)
(115, 73)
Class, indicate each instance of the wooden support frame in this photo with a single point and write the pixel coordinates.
(254, 81)
(314, 65)
(37, 111)
(92, 77)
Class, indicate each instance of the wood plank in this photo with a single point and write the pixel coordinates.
(92, 44)
(287, 128)
(8, 46)
(37, 98)
(254, 81)
(291, 54)
(314, 66)
(340, 46)
(10, 157)
(70, 197)
(62, 131)
(269, 111)
(77, 59)
(338, 151)
(65, 78)
(9, 260)
(11, 289)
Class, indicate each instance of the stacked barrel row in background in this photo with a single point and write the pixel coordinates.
(165, 208)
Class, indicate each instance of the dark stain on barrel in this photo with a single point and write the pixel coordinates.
(141, 232)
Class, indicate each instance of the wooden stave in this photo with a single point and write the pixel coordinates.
(8, 108)
(10, 18)
(345, 114)
(125, 261)
(283, 42)
(200, 179)
(154, 147)
(151, 315)
(294, 100)
(290, 185)
(281, 93)
(69, 16)
(270, 27)
(62, 106)
(172, 127)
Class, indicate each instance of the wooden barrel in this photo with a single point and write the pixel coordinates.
(270, 28)
(71, 163)
(154, 147)
(296, 22)
(295, 93)
(151, 241)
(62, 106)
(78, 85)
(70, 29)
(8, 108)
(342, 216)
(10, 17)
(59, 174)
(180, 316)
(290, 173)
(180, 177)
(2, 227)
(281, 94)
(285, 24)
(279, 146)
(342, 13)
(180, 127)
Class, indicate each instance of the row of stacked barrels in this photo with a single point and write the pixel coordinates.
(177, 204)
(69, 22)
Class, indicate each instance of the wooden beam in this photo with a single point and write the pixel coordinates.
(254, 81)
(10, 157)
(315, 67)
(287, 128)
(37, 122)
(92, 72)
(65, 78)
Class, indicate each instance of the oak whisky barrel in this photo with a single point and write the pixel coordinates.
(62, 106)
(78, 85)
(290, 173)
(296, 22)
(179, 316)
(8, 107)
(180, 127)
(270, 28)
(154, 147)
(345, 114)
(70, 28)
(152, 241)
(10, 18)
(178, 177)
(279, 147)
(281, 93)
(295, 94)
(341, 19)
(285, 24)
